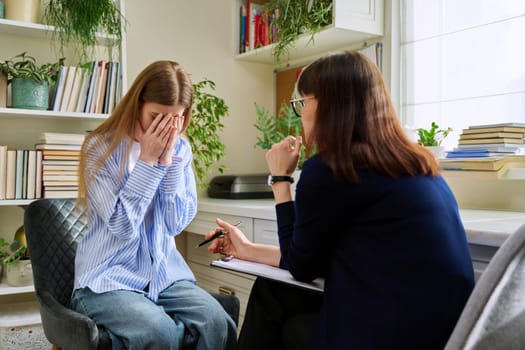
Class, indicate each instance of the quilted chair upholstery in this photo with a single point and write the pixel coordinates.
(53, 228)
(494, 316)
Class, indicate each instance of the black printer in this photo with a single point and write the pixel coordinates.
(240, 187)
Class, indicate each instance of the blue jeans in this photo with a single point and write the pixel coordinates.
(185, 316)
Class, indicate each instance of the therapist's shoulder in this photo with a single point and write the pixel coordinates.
(314, 169)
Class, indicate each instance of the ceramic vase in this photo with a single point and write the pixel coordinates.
(28, 94)
(19, 274)
(438, 151)
(22, 10)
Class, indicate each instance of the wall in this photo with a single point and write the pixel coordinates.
(200, 35)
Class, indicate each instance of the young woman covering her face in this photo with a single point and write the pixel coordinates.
(138, 189)
(371, 215)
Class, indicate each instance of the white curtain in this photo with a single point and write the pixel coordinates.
(463, 63)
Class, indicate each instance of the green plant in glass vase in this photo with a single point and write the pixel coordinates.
(203, 131)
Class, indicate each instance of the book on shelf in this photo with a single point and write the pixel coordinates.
(68, 86)
(49, 168)
(49, 178)
(19, 173)
(91, 86)
(60, 152)
(98, 97)
(49, 193)
(84, 85)
(31, 174)
(488, 135)
(62, 76)
(25, 173)
(467, 153)
(75, 90)
(114, 86)
(38, 180)
(487, 163)
(60, 157)
(51, 184)
(492, 147)
(51, 146)
(46, 163)
(498, 125)
(63, 172)
(10, 174)
(494, 129)
(470, 174)
(489, 141)
(3, 170)
(61, 138)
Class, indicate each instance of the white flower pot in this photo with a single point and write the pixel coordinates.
(438, 151)
(19, 274)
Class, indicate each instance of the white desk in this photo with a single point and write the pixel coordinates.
(484, 227)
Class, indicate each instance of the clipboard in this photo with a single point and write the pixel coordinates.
(266, 271)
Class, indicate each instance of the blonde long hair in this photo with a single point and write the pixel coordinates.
(162, 82)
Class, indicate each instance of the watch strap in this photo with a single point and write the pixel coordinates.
(273, 179)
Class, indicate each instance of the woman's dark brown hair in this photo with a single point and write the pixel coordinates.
(162, 82)
(356, 126)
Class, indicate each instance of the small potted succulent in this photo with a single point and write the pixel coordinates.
(15, 260)
(432, 138)
(30, 81)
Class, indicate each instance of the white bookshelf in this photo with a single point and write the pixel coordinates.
(354, 23)
(6, 289)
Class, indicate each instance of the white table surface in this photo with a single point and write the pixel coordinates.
(485, 227)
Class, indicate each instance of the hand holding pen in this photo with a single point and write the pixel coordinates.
(233, 243)
(219, 233)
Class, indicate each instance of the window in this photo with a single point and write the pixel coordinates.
(463, 63)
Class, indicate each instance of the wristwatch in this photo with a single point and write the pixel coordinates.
(273, 179)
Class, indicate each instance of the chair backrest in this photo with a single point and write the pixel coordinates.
(494, 316)
(53, 228)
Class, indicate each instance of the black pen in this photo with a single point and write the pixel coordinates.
(217, 234)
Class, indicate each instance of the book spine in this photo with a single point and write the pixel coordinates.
(11, 174)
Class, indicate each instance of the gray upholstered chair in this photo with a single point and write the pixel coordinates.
(53, 227)
(494, 316)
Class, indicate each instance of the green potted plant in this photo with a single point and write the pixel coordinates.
(275, 129)
(30, 81)
(203, 131)
(15, 260)
(293, 18)
(432, 138)
(77, 22)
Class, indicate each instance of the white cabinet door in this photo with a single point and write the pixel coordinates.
(205, 222)
(265, 231)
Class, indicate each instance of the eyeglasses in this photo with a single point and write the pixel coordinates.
(298, 104)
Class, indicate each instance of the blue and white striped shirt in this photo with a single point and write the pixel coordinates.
(134, 212)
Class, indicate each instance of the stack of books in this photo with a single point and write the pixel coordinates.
(60, 164)
(20, 173)
(481, 167)
(490, 141)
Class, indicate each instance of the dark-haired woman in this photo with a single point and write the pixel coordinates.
(371, 215)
